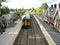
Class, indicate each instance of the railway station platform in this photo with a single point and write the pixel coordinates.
(11, 33)
(52, 37)
(8, 37)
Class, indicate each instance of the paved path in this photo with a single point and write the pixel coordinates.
(9, 35)
(54, 35)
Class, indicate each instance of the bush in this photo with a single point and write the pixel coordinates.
(0, 12)
(15, 16)
(40, 9)
(4, 10)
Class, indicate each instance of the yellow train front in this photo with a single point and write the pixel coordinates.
(26, 21)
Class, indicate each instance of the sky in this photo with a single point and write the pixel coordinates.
(26, 3)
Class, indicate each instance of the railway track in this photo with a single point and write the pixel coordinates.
(31, 36)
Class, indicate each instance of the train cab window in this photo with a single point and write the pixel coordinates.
(55, 5)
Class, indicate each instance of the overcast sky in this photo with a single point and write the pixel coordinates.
(26, 3)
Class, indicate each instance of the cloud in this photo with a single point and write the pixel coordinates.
(52, 2)
(23, 3)
(44, 1)
(27, 3)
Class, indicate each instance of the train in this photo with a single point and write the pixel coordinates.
(52, 17)
(26, 21)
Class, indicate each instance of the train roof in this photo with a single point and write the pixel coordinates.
(51, 12)
(27, 16)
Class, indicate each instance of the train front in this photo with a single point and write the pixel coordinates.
(26, 21)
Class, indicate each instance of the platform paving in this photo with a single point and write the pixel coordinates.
(52, 33)
(8, 37)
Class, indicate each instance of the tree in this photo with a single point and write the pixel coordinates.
(12, 10)
(32, 9)
(44, 6)
(40, 9)
(0, 11)
(4, 10)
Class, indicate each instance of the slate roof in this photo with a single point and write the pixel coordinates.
(51, 12)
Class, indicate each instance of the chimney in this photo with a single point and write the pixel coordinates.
(51, 6)
(59, 5)
(55, 5)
